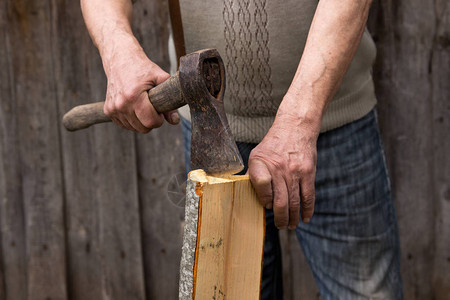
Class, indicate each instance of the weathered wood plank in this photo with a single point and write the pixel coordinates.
(80, 77)
(160, 169)
(11, 204)
(39, 151)
(161, 177)
(298, 280)
(440, 84)
(103, 219)
(404, 35)
(46, 57)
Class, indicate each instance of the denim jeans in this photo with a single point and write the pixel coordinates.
(351, 243)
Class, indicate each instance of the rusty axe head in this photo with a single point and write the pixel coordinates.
(202, 82)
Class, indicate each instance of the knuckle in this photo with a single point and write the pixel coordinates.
(294, 205)
(308, 167)
(121, 105)
(108, 110)
(254, 154)
(295, 167)
(260, 179)
(129, 93)
(281, 222)
(308, 202)
(280, 203)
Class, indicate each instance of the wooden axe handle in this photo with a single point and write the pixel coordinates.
(165, 97)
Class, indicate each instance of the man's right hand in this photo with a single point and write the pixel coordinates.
(130, 73)
(130, 76)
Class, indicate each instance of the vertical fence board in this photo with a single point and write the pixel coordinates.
(11, 205)
(39, 152)
(103, 203)
(103, 213)
(79, 74)
(160, 163)
(405, 35)
(298, 280)
(440, 81)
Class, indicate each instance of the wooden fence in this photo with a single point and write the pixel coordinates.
(89, 215)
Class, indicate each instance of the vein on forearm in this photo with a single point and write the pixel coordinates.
(105, 19)
(332, 41)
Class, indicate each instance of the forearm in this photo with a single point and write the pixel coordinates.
(109, 25)
(333, 39)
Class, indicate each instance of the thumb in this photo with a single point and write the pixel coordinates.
(161, 76)
(172, 117)
(262, 182)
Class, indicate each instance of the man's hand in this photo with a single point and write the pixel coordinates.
(282, 167)
(130, 75)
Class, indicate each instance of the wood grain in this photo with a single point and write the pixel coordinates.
(39, 154)
(409, 39)
(440, 89)
(98, 199)
(105, 258)
(230, 238)
(160, 162)
(13, 249)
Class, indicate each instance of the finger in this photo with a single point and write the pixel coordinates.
(137, 125)
(126, 124)
(172, 117)
(118, 122)
(280, 202)
(294, 204)
(262, 182)
(307, 192)
(146, 113)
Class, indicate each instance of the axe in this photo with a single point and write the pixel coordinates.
(200, 83)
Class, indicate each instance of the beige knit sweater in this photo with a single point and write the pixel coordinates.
(261, 43)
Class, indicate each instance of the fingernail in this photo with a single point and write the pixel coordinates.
(306, 220)
(292, 227)
(175, 118)
(269, 205)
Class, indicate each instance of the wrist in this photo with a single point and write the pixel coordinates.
(118, 43)
(300, 111)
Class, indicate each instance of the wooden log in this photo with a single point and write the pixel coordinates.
(223, 239)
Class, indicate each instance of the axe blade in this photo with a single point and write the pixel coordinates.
(202, 80)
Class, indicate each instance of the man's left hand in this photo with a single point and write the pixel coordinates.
(282, 167)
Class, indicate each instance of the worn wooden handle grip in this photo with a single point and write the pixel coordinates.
(83, 116)
(164, 97)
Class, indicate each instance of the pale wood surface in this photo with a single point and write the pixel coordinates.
(80, 189)
(230, 238)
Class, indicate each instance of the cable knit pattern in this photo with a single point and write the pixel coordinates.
(248, 55)
(261, 43)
